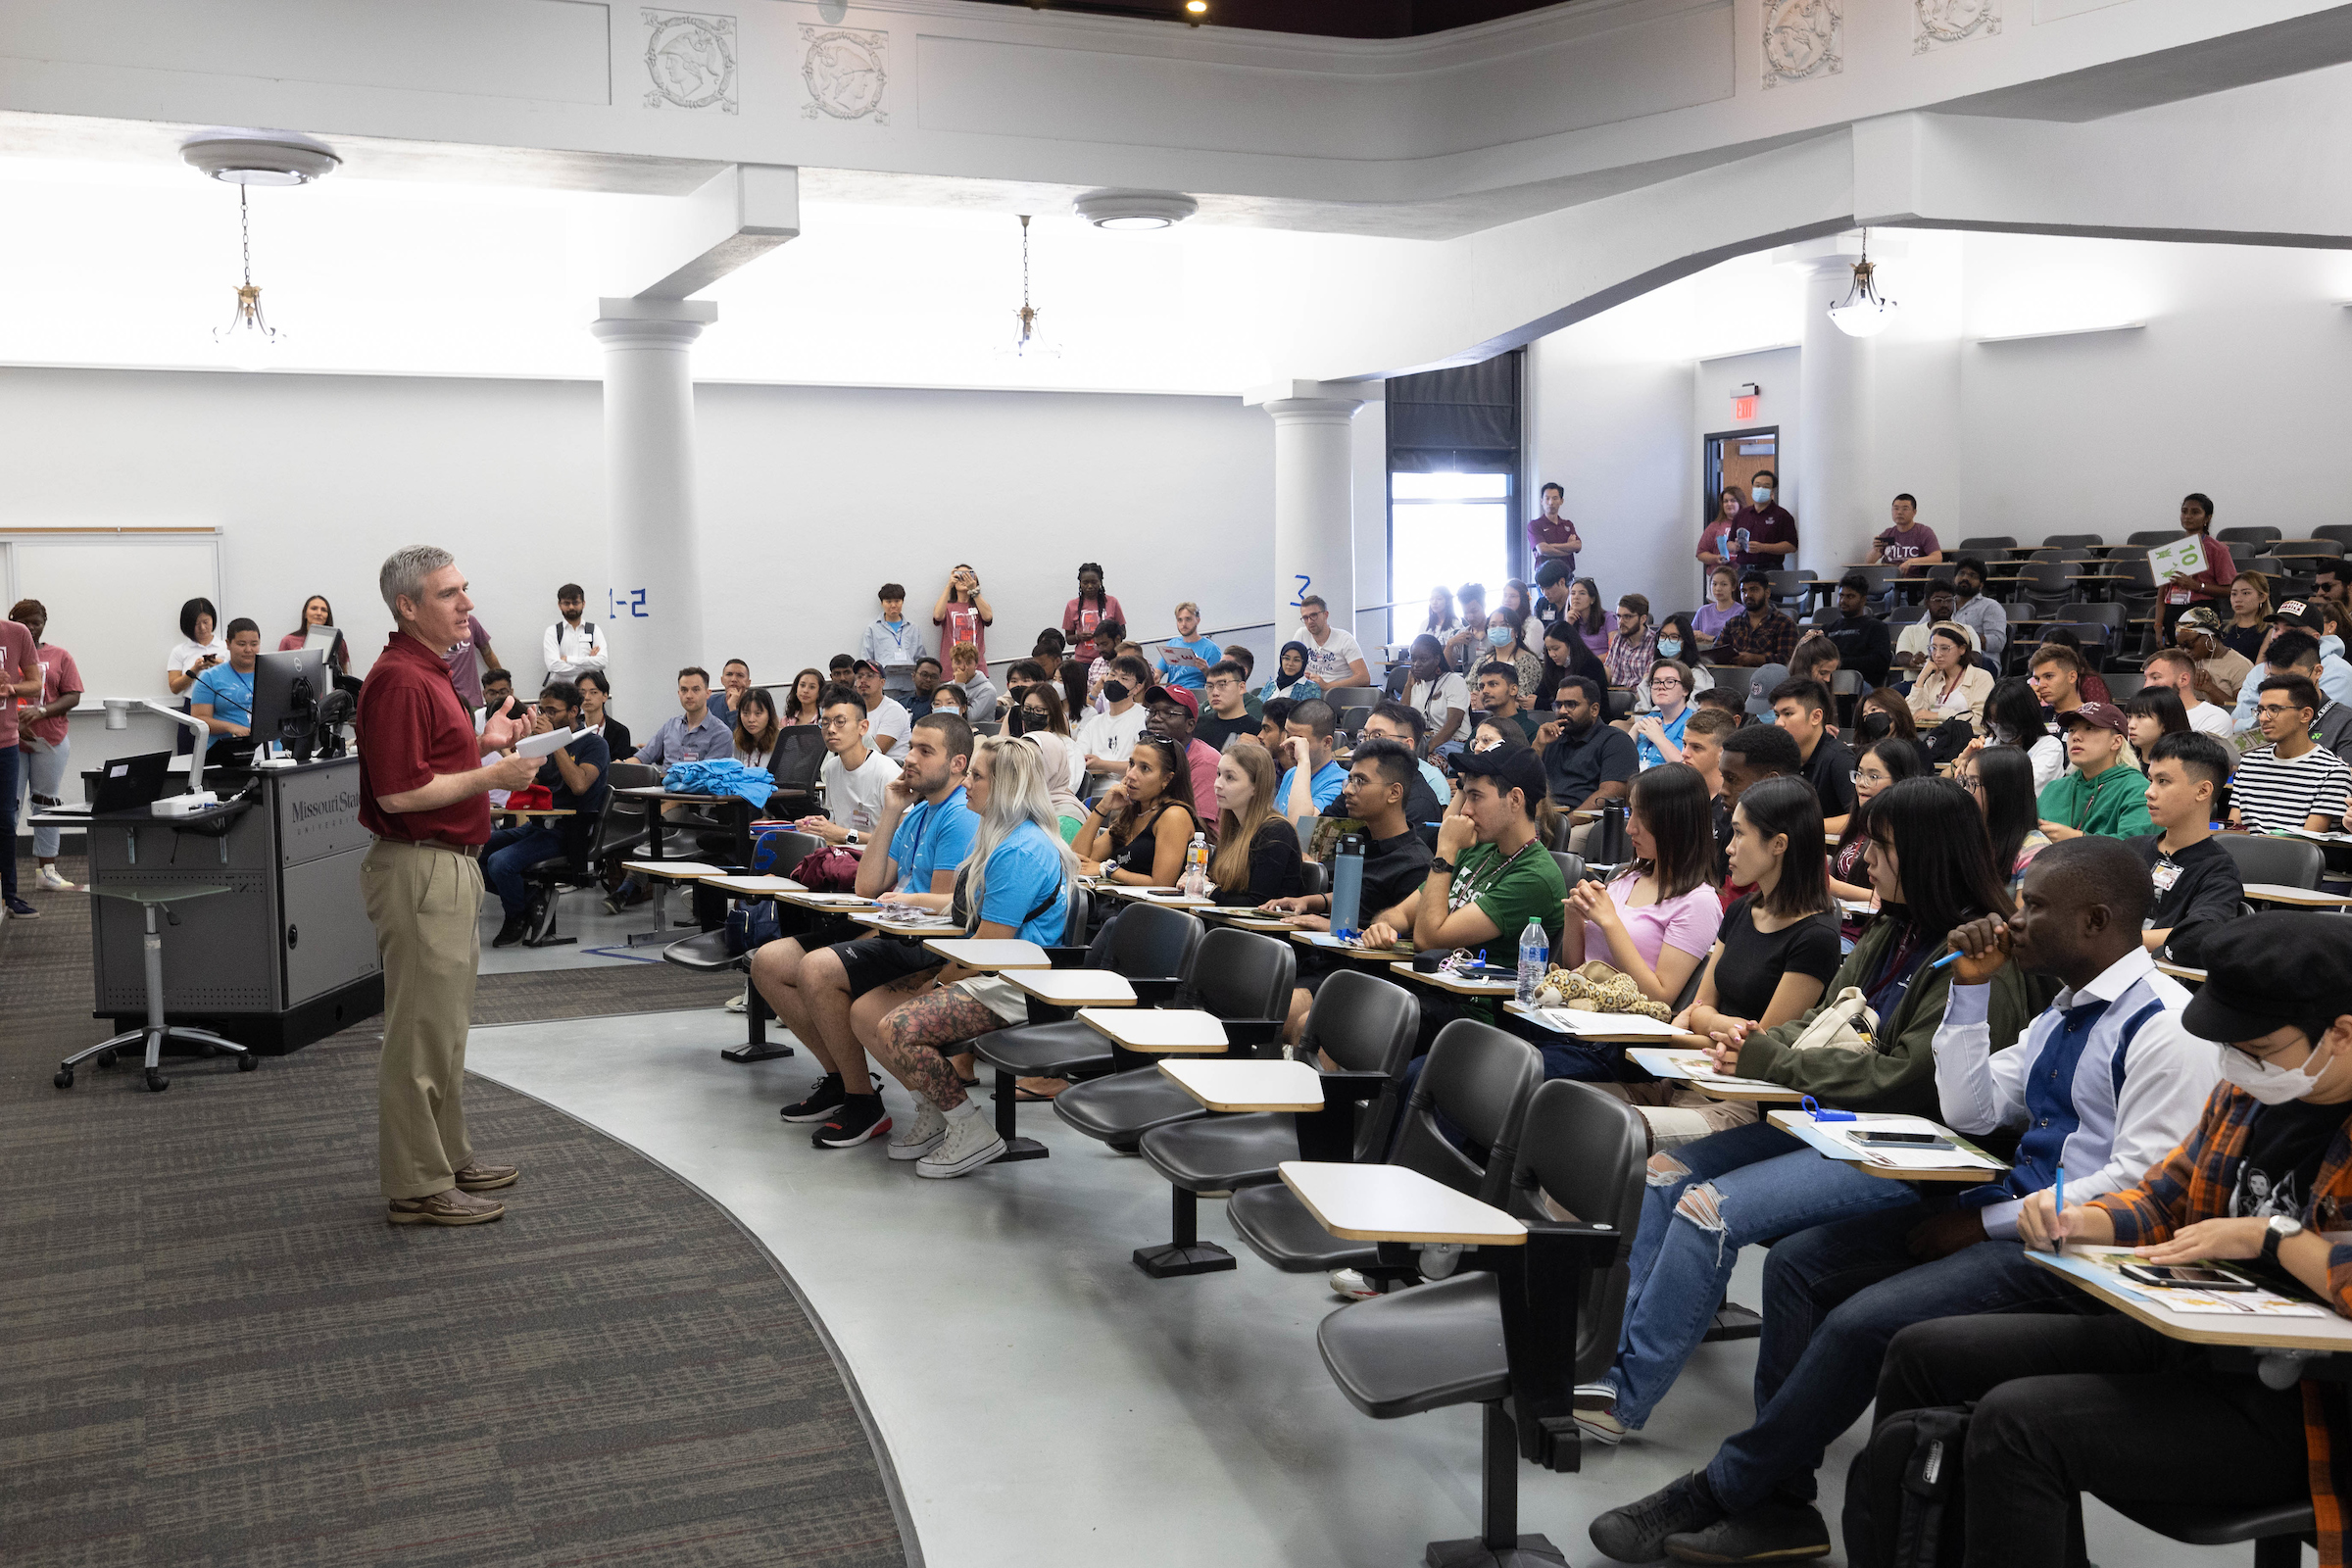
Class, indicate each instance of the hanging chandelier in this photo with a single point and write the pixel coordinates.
(1025, 344)
(248, 337)
(1864, 312)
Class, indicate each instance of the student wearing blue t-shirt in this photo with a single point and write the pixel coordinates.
(1016, 885)
(928, 822)
(1185, 658)
(1304, 791)
(222, 696)
(1658, 735)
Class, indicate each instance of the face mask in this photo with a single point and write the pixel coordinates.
(1670, 647)
(1876, 725)
(1499, 636)
(1763, 494)
(2273, 1086)
(2003, 735)
(1115, 690)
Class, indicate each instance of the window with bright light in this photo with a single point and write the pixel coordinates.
(1444, 530)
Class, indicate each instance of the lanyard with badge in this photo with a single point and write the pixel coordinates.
(1468, 889)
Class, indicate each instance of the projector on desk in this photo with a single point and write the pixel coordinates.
(185, 805)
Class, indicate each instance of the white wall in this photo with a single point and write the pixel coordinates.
(809, 496)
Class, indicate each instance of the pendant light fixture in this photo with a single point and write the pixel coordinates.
(243, 159)
(1864, 312)
(248, 337)
(1027, 344)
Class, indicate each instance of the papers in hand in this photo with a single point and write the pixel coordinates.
(555, 740)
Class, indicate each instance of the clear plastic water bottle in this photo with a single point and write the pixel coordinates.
(1195, 883)
(1535, 960)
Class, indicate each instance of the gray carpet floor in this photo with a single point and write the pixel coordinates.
(217, 1351)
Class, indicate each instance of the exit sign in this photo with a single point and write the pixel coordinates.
(1744, 400)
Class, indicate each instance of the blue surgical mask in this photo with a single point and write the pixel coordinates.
(1763, 494)
(1670, 647)
(1499, 636)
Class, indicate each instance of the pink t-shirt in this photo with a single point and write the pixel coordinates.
(961, 624)
(58, 677)
(1687, 924)
(18, 660)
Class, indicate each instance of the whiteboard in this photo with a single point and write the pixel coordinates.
(114, 598)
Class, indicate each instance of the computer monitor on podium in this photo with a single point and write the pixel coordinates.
(286, 691)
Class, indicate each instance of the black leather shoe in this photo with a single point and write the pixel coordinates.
(1777, 1532)
(1638, 1532)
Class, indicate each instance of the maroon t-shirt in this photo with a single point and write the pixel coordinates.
(1899, 546)
(413, 726)
(1774, 525)
(1541, 531)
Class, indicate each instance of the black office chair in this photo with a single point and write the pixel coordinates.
(2293, 862)
(1519, 1327)
(1478, 1079)
(616, 831)
(1243, 977)
(1152, 947)
(1365, 1026)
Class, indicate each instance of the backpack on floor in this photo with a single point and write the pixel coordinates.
(1905, 1504)
(752, 925)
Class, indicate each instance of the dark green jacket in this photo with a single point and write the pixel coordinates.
(1900, 1075)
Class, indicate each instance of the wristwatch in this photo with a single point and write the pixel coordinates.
(2279, 1229)
(1440, 867)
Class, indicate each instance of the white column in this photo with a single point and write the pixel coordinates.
(657, 623)
(1314, 515)
(1828, 465)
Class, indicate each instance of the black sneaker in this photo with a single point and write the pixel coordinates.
(512, 931)
(856, 1121)
(22, 910)
(823, 1100)
(1638, 1532)
(1777, 1532)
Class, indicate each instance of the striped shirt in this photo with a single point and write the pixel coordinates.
(2273, 791)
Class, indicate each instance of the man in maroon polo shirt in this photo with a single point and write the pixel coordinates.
(1551, 536)
(424, 794)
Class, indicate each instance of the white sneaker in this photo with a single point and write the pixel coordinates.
(968, 1144)
(1595, 1408)
(1352, 1284)
(736, 1003)
(929, 1127)
(54, 880)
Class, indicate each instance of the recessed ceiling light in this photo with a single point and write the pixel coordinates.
(1135, 209)
(260, 158)
(1198, 8)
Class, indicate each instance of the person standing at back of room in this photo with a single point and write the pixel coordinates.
(891, 643)
(1552, 537)
(1763, 532)
(19, 682)
(423, 794)
(1090, 610)
(962, 615)
(573, 644)
(42, 743)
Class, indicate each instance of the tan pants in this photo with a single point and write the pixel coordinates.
(425, 905)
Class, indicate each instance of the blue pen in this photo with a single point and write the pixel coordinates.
(2058, 1207)
(1945, 963)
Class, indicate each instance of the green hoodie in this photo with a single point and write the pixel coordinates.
(2114, 804)
(1900, 1075)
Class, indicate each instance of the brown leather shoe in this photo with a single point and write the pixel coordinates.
(480, 1178)
(448, 1207)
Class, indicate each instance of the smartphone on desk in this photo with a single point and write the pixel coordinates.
(2186, 1277)
(1887, 1140)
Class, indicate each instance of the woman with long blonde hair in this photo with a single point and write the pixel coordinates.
(1258, 849)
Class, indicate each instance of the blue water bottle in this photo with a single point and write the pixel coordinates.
(1348, 884)
(1534, 959)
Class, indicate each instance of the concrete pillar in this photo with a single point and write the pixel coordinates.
(1314, 517)
(1826, 467)
(656, 604)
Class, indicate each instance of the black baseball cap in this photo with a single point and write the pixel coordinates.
(1512, 768)
(2266, 972)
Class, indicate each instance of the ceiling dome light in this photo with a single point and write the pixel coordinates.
(260, 158)
(1135, 209)
(1863, 312)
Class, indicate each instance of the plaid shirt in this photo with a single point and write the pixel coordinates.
(2193, 1184)
(1630, 657)
(1773, 635)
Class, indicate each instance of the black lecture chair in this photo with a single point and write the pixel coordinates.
(2277, 1531)
(1516, 1328)
(2075, 541)
(2294, 862)
(2340, 532)
(1988, 547)
(1154, 947)
(708, 952)
(1364, 1024)
(2152, 536)
(1787, 588)
(619, 828)
(2261, 535)
(1313, 877)
(1244, 978)
(1478, 1079)
(796, 763)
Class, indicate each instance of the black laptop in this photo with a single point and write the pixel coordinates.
(128, 783)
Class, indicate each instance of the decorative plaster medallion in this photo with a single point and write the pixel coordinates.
(845, 72)
(1803, 38)
(1938, 23)
(690, 57)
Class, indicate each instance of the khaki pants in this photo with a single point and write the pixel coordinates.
(425, 905)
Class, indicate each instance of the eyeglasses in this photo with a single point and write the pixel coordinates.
(1860, 777)
(1665, 683)
(845, 721)
(1970, 783)
(2274, 711)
